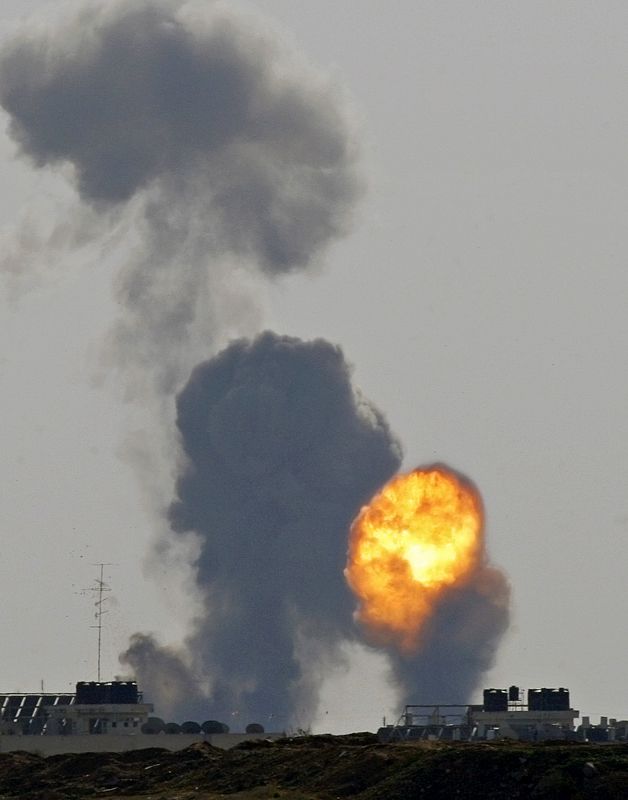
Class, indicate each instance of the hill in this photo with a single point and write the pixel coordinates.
(355, 767)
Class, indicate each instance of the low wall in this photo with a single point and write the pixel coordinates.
(120, 743)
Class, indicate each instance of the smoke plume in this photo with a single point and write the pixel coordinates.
(166, 676)
(281, 452)
(459, 645)
(204, 154)
(197, 137)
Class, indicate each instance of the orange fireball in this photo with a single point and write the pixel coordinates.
(421, 535)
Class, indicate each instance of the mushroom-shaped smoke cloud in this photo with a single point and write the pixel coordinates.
(199, 134)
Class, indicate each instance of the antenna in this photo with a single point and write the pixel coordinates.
(99, 590)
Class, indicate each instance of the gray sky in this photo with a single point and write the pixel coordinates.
(480, 297)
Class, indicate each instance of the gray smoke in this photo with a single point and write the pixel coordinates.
(165, 676)
(201, 139)
(459, 643)
(281, 453)
(206, 154)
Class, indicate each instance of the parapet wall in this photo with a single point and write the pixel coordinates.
(120, 743)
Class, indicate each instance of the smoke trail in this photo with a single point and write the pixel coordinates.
(199, 137)
(281, 454)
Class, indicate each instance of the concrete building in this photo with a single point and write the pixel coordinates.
(504, 714)
(100, 717)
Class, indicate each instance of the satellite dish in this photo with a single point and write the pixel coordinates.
(213, 726)
(255, 727)
(190, 727)
(153, 725)
(172, 727)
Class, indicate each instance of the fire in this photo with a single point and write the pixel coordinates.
(420, 535)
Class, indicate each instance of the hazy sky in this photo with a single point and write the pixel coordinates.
(481, 298)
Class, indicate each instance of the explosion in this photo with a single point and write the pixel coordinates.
(418, 537)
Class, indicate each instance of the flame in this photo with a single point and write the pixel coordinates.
(420, 535)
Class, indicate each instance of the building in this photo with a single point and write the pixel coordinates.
(100, 717)
(95, 708)
(504, 714)
(100, 708)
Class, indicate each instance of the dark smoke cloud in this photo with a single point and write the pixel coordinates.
(459, 643)
(281, 453)
(203, 134)
(201, 145)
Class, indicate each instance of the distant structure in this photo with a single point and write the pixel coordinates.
(547, 714)
(99, 590)
(504, 714)
(95, 708)
(98, 708)
(103, 717)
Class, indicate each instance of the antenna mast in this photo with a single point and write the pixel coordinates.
(99, 590)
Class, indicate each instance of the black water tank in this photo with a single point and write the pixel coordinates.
(495, 700)
(94, 693)
(123, 692)
(561, 698)
(548, 699)
(513, 694)
(555, 699)
(89, 693)
(535, 700)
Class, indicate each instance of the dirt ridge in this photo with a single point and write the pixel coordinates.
(326, 768)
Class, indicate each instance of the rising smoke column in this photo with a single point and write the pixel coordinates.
(167, 677)
(200, 139)
(281, 453)
(426, 594)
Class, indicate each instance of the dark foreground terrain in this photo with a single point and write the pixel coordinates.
(326, 767)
